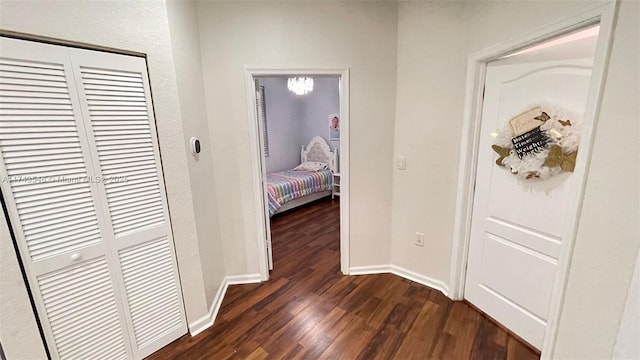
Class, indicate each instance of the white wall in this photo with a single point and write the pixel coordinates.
(284, 115)
(430, 97)
(627, 344)
(317, 105)
(301, 34)
(609, 233)
(18, 330)
(141, 27)
(431, 75)
(185, 42)
(430, 101)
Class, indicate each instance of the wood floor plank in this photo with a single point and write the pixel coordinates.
(384, 345)
(260, 294)
(417, 344)
(309, 310)
(319, 331)
(258, 354)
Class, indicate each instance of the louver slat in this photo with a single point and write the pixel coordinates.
(42, 154)
(119, 120)
(148, 274)
(82, 312)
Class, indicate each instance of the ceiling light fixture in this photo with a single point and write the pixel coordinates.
(300, 85)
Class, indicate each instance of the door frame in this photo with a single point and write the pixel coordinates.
(252, 72)
(604, 14)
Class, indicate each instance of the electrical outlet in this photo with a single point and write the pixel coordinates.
(419, 239)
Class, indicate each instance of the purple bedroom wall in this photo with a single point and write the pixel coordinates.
(318, 104)
(284, 111)
(292, 120)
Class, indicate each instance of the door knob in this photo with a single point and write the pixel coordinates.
(75, 257)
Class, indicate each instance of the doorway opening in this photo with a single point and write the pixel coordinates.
(299, 133)
(516, 220)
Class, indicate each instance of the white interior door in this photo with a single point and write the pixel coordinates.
(517, 227)
(261, 111)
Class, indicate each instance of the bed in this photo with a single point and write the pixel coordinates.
(292, 188)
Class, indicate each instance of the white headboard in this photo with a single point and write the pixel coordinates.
(319, 150)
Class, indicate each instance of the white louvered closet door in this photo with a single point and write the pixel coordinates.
(116, 106)
(99, 254)
(59, 227)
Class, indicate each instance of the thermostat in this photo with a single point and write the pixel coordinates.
(195, 145)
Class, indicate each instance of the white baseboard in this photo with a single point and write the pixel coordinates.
(366, 270)
(421, 279)
(206, 321)
(244, 279)
(402, 272)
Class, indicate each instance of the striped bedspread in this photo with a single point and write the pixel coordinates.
(288, 185)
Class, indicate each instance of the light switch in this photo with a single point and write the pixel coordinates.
(402, 163)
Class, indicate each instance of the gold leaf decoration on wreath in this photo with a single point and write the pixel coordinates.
(565, 122)
(502, 151)
(542, 117)
(556, 157)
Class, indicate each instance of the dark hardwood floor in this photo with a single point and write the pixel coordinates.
(309, 310)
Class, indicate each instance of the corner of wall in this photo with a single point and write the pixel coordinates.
(426, 128)
(183, 30)
(205, 322)
(434, 284)
(19, 332)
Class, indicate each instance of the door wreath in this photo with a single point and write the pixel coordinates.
(539, 143)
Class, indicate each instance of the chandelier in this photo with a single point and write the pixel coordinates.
(300, 85)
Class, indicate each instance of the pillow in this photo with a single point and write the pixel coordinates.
(311, 166)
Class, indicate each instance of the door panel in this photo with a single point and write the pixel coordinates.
(148, 276)
(116, 105)
(523, 236)
(39, 139)
(82, 309)
(565, 85)
(516, 263)
(517, 226)
(124, 145)
(261, 111)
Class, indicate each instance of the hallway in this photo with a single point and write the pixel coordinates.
(309, 310)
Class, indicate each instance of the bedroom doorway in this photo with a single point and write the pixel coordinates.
(298, 121)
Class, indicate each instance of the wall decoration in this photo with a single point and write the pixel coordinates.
(539, 143)
(334, 127)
